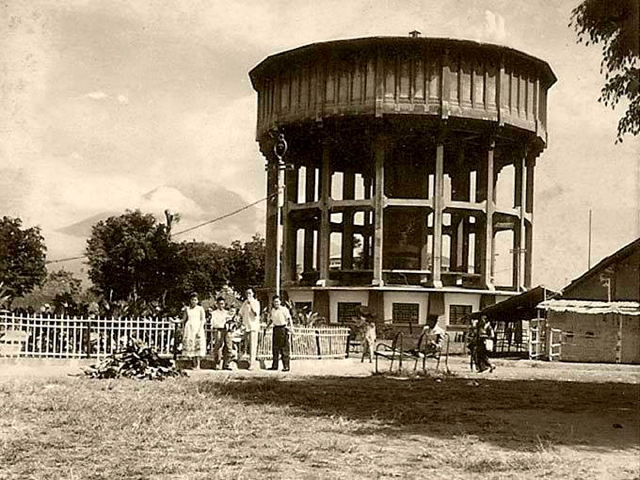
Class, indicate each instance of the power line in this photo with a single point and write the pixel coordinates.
(223, 216)
(209, 222)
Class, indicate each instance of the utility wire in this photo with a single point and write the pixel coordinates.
(209, 222)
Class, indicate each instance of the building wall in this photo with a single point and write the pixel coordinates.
(301, 296)
(421, 298)
(630, 340)
(472, 299)
(594, 338)
(625, 283)
(337, 296)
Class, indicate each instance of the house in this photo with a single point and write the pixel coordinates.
(598, 317)
(615, 279)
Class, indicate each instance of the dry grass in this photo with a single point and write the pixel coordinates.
(310, 427)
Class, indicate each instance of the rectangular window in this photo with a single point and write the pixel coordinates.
(457, 314)
(347, 311)
(406, 313)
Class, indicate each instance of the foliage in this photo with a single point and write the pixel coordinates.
(61, 290)
(138, 271)
(131, 258)
(203, 268)
(246, 263)
(615, 24)
(22, 257)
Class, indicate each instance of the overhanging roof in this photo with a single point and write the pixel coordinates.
(520, 307)
(591, 307)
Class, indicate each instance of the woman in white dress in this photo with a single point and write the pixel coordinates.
(194, 340)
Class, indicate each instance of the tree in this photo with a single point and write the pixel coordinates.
(22, 257)
(246, 268)
(61, 289)
(203, 268)
(616, 25)
(132, 258)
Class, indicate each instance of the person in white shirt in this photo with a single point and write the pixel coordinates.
(250, 314)
(219, 318)
(280, 318)
(194, 341)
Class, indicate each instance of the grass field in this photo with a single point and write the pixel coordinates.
(331, 426)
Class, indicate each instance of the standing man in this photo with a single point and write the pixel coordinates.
(280, 318)
(250, 314)
(219, 318)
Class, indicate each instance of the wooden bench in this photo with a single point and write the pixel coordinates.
(424, 349)
(12, 342)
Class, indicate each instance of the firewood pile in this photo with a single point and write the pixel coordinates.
(136, 360)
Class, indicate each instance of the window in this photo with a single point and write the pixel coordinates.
(347, 311)
(406, 313)
(457, 314)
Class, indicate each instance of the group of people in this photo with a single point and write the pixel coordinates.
(226, 325)
(480, 343)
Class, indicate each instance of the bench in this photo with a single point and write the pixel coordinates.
(12, 342)
(424, 349)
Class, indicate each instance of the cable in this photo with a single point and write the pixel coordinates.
(223, 216)
(209, 222)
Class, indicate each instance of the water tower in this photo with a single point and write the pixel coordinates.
(396, 147)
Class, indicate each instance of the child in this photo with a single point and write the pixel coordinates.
(369, 337)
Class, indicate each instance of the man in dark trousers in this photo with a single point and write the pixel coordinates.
(280, 318)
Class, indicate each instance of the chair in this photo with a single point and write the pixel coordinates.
(425, 349)
(11, 342)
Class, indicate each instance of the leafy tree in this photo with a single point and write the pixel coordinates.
(616, 25)
(22, 257)
(60, 289)
(203, 268)
(246, 266)
(131, 258)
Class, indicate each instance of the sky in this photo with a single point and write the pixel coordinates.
(113, 105)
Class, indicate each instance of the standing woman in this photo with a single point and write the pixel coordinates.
(194, 341)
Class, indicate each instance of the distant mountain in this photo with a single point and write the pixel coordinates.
(196, 204)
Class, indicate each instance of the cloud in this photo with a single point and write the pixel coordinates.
(494, 26)
(97, 95)
(123, 99)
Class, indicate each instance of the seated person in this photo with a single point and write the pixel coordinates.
(434, 338)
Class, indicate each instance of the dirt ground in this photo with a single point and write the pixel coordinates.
(324, 419)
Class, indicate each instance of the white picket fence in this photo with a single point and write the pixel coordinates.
(310, 343)
(73, 337)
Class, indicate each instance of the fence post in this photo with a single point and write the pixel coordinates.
(318, 344)
(87, 337)
(175, 341)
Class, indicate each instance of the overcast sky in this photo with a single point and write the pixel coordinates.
(147, 104)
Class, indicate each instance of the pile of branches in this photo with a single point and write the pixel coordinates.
(136, 360)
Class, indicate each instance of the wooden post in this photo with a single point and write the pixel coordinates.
(348, 193)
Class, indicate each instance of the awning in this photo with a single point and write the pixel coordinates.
(592, 307)
(520, 307)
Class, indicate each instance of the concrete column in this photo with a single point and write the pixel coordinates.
(438, 208)
(325, 228)
(289, 248)
(271, 226)
(310, 186)
(348, 193)
(488, 241)
(380, 147)
(518, 228)
(528, 257)
(366, 243)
